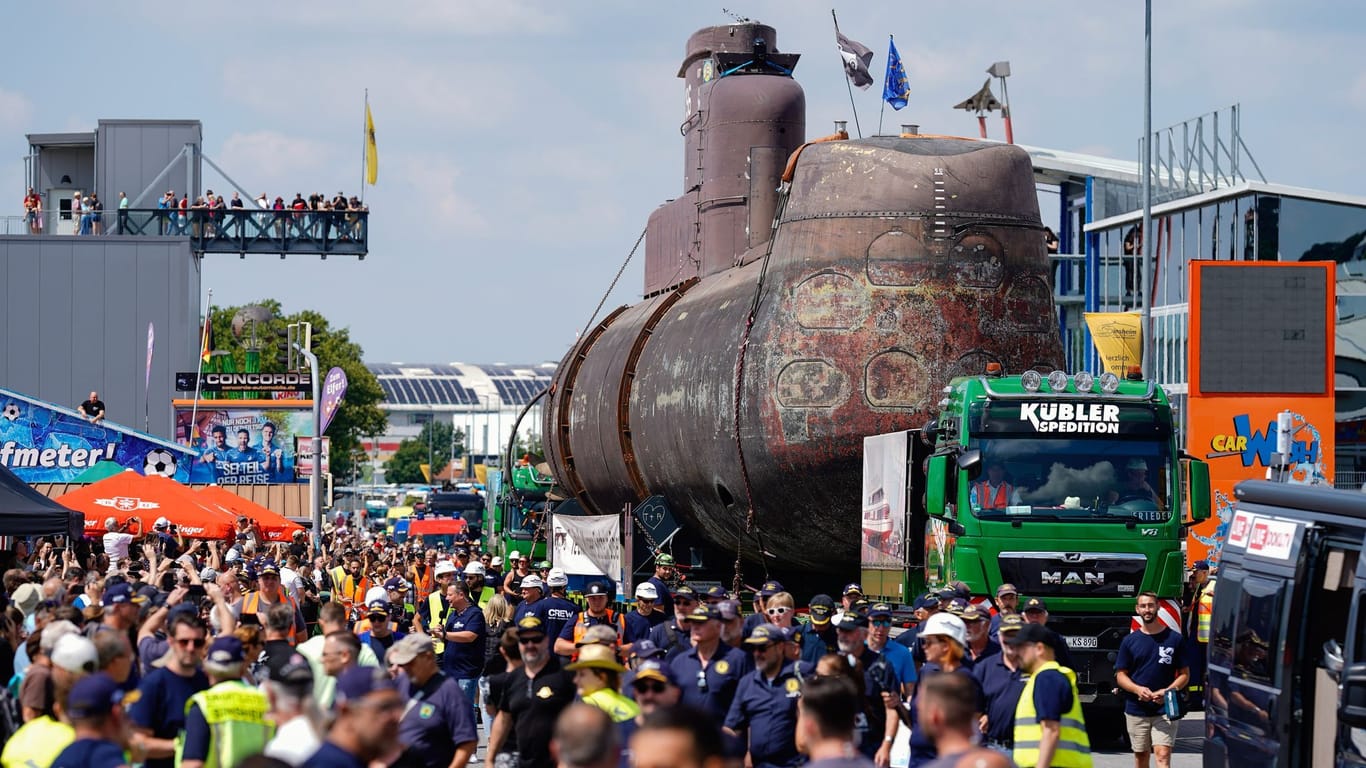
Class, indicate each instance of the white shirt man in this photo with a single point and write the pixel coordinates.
(116, 542)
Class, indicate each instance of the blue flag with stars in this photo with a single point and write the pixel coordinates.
(895, 89)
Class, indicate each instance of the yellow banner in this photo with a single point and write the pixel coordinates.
(371, 150)
(1118, 337)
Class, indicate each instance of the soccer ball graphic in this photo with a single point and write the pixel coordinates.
(11, 411)
(159, 461)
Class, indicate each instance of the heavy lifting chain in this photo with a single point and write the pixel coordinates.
(613, 286)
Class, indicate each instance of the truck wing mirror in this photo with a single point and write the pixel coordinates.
(939, 484)
(1352, 703)
(970, 461)
(1199, 490)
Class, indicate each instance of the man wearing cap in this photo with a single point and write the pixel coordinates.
(227, 722)
(1007, 601)
(253, 606)
(465, 635)
(764, 711)
(437, 728)
(818, 636)
(535, 696)
(980, 645)
(368, 711)
(381, 634)
(1002, 681)
(710, 670)
(493, 574)
(664, 573)
(673, 635)
(36, 691)
(597, 614)
(654, 686)
(898, 657)
(289, 697)
(431, 615)
(733, 623)
(878, 719)
(1201, 604)
(560, 613)
(401, 609)
(1050, 729)
(638, 623)
(851, 594)
(158, 715)
(597, 674)
(1035, 611)
(100, 723)
(1148, 666)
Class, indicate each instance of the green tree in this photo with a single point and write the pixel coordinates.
(359, 415)
(432, 445)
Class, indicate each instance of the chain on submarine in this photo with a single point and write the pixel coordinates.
(883, 268)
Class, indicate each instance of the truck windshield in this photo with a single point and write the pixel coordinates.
(1073, 478)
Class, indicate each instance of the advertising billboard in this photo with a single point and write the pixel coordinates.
(243, 442)
(1262, 343)
(46, 443)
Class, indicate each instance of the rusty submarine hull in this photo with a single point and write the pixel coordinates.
(798, 296)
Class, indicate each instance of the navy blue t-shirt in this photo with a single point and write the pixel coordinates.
(538, 609)
(1152, 661)
(559, 613)
(90, 753)
(330, 755)
(768, 711)
(439, 719)
(661, 634)
(817, 642)
(160, 708)
(1052, 695)
(713, 689)
(464, 661)
(638, 627)
(1001, 686)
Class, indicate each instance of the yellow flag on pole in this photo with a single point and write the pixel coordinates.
(371, 151)
(1118, 337)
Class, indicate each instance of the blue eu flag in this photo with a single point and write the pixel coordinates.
(895, 89)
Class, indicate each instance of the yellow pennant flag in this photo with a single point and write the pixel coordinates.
(1118, 337)
(371, 151)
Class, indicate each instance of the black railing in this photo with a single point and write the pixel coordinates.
(229, 230)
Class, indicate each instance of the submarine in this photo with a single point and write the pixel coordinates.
(798, 295)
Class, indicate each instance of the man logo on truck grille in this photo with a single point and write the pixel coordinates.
(1091, 418)
(1072, 578)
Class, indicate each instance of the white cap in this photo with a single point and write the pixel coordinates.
(75, 653)
(376, 593)
(647, 590)
(53, 632)
(946, 625)
(496, 561)
(161, 523)
(444, 567)
(555, 578)
(475, 568)
(514, 555)
(533, 582)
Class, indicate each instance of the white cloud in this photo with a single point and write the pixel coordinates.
(274, 160)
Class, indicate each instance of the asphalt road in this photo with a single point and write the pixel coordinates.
(1189, 741)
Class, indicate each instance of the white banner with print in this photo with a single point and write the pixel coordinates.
(587, 545)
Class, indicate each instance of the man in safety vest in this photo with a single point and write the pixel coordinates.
(1049, 727)
(251, 609)
(349, 583)
(431, 615)
(597, 613)
(227, 722)
(480, 592)
(1197, 645)
(995, 492)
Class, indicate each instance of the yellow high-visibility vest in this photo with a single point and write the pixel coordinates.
(1204, 608)
(1074, 747)
(236, 714)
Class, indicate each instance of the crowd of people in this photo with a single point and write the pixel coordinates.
(159, 650)
(210, 215)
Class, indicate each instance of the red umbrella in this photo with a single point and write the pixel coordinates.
(275, 526)
(129, 495)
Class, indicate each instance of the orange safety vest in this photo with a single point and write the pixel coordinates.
(422, 585)
(350, 590)
(581, 626)
(251, 604)
(1001, 499)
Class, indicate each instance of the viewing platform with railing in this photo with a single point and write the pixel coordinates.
(213, 230)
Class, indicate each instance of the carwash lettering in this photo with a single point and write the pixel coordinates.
(63, 456)
(1089, 418)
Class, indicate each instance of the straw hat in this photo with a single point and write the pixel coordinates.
(597, 657)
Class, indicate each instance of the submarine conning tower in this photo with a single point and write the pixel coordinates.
(744, 115)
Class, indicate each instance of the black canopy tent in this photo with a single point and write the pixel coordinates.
(25, 512)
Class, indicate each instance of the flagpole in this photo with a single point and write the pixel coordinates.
(199, 370)
(364, 143)
(847, 84)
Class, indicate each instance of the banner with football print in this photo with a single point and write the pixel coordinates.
(250, 442)
(589, 545)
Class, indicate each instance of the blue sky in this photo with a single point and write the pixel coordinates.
(523, 144)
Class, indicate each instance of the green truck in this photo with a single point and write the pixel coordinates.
(1072, 488)
(515, 515)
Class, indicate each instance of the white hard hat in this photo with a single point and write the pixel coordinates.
(556, 578)
(946, 625)
(475, 568)
(533, 582)
(161, 523)
(376, 593)
(647, 590)
(514, 555)
(444, 567)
